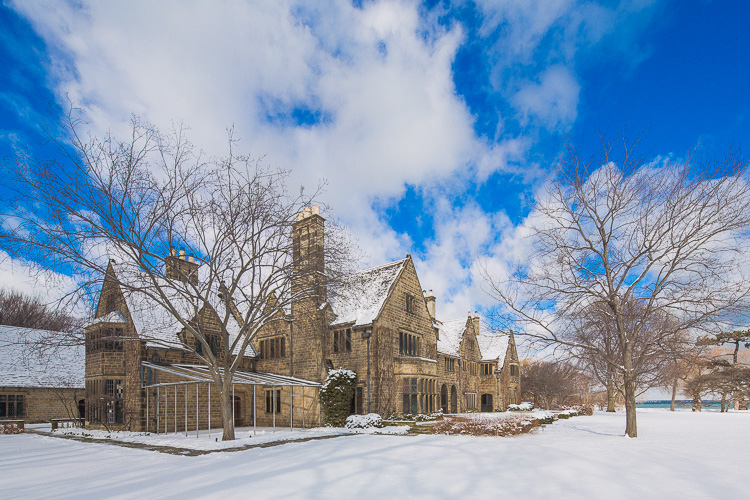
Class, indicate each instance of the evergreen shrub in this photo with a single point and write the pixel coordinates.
(336, 396)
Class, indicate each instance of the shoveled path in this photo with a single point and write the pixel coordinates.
(172, 450)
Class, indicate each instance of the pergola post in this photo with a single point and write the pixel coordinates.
(148, 427)
(156, 409)
(209, 409)
(186, 431)
(303, 407)
(255, 410)
(291, 408)
(175, 409)
(273, 404)
(233, 423)
(196, 411)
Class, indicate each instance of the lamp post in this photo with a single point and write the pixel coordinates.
(366, 335)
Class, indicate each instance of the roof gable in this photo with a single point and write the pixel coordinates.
(153, 323)
(451, 334)
(358, 298)
(493, 346)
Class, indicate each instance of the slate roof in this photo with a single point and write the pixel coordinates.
(451, 333)
(29, 358)
(493, 346)
(359, 297)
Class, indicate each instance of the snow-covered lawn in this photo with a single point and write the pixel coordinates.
(205, 440)
(679, 455)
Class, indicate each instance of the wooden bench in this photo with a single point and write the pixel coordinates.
(11, 426)
(66, 423)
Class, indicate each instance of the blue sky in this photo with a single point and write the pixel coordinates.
(434, 123)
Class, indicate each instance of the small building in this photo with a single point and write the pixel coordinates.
(41, 375)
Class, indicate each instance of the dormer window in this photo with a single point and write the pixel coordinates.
(212, 341)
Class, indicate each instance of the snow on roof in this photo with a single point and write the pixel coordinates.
(493, 346)
(113, 317)
(153, 322)
(39, 358)
(357, 300)
(451, 333)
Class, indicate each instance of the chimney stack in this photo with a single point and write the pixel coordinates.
(308, 253)
(429, 299)
(181, 267)
(475, 320)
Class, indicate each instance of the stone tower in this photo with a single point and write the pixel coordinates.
(308, 253)
(308, 328)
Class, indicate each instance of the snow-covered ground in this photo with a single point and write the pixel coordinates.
(681, 454)
(206, 441)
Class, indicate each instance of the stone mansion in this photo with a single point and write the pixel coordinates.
(378, 323)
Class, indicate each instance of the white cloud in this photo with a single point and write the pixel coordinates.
(380, 77)
(25, 277)
(553, 99)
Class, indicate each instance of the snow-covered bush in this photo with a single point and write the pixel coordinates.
(364, 421)
(521, 407)
(10, 429)
(587, 410)
(416, 417)
(336, 396)
(478, 425)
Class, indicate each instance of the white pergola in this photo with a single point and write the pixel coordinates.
(200, 374)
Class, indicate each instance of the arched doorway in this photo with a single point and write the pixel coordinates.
(82, 409)
(486, 402)
(444, 398)
(454, 399)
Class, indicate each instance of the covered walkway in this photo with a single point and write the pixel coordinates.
(182, 376)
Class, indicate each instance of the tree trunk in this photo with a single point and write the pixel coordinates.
(611, 396)
(226, 414)
(611, 393)
(697, 401)
(674, 394)
(631, 429)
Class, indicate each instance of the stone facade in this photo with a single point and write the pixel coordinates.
(40, 404)
(378, 323)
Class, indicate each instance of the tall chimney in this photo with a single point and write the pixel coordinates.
(181, 267)
(308, 239)
(475, 320)
(429, 299)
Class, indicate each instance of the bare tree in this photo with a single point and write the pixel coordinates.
(19, 309)
(139, 199)
(668, 236)
(551, 384)
(658, 352)
(727, 377)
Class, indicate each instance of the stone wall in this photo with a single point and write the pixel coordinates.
(43, 404)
